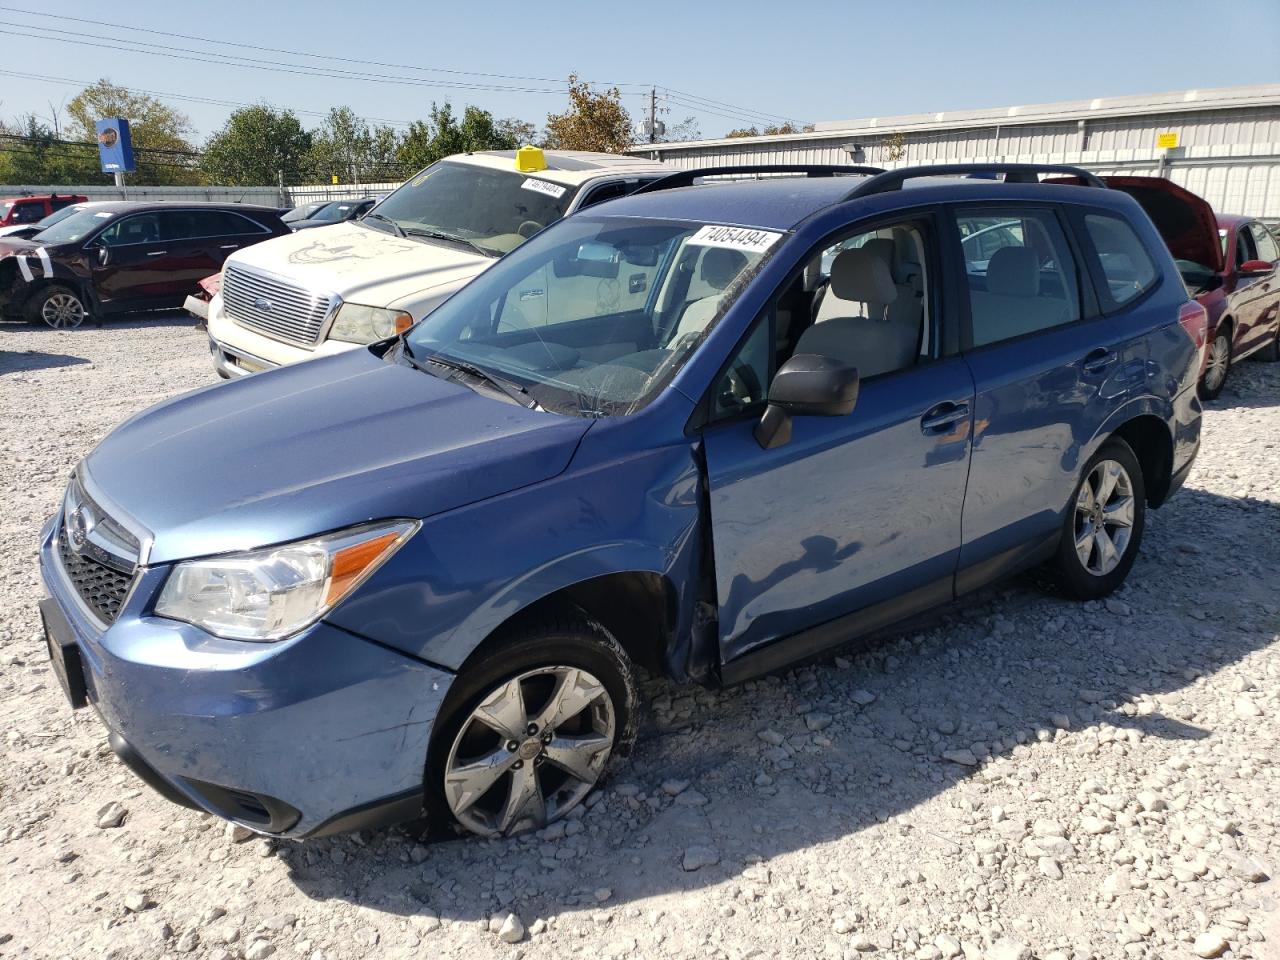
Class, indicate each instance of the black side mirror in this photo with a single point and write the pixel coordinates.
(104, 254)
(807, 385)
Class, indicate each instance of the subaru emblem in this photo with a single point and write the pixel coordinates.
(262, 305)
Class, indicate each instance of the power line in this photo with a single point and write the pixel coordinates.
(721, 103)
(694, 101)
(183, 96)
(187, 56)
(316, 56)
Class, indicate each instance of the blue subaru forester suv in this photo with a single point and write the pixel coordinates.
(708, 429)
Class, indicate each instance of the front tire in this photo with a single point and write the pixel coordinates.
(1218, 364)
(58, 306)
(530, 729)
(1103, 527)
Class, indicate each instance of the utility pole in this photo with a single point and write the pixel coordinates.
(653, 114)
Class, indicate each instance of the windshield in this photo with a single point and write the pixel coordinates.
(304, 212)
(5, 207)
(594, 317)
(495, 210)
(58, 216)
(80, 224)
(333, 212)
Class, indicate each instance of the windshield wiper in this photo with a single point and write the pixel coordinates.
(452, 237)
(394, 226)
(513, 390)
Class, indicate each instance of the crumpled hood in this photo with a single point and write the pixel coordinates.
(361, 264)
(9, 246)
(318, 446)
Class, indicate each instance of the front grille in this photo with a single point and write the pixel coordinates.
(277, 308)
(102, 588)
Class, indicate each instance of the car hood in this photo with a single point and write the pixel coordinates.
(9, 246)
(361, 264)
(1185, 221)
(314, 447)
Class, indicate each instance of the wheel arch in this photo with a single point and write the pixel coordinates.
(1149, 437)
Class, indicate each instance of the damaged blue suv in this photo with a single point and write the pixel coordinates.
(709, 429)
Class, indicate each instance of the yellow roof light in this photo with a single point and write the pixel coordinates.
(530, 160)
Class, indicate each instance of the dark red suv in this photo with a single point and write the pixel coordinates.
(116, 257)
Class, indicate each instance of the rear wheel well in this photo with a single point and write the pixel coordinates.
(1149, 438)
(637, 609)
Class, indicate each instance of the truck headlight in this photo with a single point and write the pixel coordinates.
(357, 323)
(272, 593)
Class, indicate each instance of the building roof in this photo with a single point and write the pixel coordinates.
(1178, 101)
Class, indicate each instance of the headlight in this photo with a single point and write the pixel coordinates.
(357, 323)
(272, 593)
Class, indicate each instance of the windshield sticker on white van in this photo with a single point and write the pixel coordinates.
(735, 238)
(541, 186)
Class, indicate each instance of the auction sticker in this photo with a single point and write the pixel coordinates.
(735, 238)
(541, 186)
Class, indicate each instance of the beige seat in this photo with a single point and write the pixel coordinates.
(873, 338)
(718, 268)
(1012, 303)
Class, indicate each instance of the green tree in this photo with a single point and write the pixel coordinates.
(31, 153)
(742, 132)
(255, 146)
(161, 135)
(442, 135)
(594, 121)
(346, 147)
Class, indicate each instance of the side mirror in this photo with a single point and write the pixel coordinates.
(104, 255)
(807, 385)
(1251, 268)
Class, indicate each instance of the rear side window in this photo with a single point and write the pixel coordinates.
(1127, 266)
(28, 212)
(1020, 272)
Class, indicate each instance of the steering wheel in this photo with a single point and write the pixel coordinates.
(528, 228)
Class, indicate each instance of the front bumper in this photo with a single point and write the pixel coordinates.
(197, 307)
(237, 350)
(320, 733)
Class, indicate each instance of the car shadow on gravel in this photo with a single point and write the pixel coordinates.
(28, 361)
(127, 321)
(851, 746)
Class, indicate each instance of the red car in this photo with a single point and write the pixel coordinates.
(16, 210)
(1228, 264)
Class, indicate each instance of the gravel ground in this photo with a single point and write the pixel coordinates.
(1017, 776)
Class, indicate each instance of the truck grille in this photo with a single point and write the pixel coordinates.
(277, 308)
(102, 588)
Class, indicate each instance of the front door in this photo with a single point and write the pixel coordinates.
(138, 267)
(855, 514)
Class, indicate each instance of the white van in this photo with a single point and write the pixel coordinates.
(333, 288)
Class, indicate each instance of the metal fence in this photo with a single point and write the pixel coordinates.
(266, 196)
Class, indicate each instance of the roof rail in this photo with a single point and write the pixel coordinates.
(1013, 173)
(685, 178)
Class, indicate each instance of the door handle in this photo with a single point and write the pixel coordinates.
(939, 419)
(157, 253)
(1098, 360)
(230, 246)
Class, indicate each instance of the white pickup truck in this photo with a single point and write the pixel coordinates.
(333, 288)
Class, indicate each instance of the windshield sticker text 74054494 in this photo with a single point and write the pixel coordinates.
(541, 186)
(735, 238)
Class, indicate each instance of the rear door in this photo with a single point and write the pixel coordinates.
(1048, 370)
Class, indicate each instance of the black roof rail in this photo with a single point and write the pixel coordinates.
(1013, 173)
(685, 178)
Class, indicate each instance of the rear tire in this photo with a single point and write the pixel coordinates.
(1218, 365)
(530, 729)
(1103, 527)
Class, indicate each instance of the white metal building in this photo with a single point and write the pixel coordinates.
(1223, 144)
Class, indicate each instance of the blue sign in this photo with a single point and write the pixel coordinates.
(115, 146)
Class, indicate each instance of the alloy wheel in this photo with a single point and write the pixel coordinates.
(1215, 370)
(531, 749)
(1104, 517)
(62, 311)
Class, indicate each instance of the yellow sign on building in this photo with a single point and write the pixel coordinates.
(1167, 141)
(335, 176)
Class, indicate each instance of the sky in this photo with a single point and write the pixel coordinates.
(725, 64)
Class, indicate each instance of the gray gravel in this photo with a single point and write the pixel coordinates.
(1018, 776)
